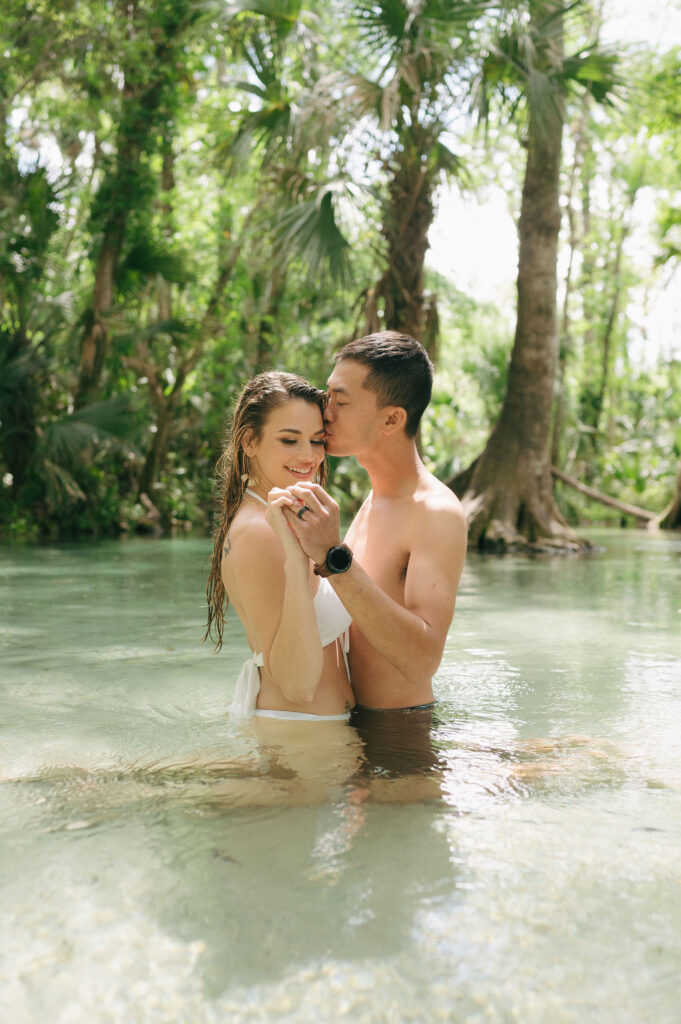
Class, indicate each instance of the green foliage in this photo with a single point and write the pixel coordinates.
(247, 168)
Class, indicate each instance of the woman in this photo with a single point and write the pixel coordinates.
(298, 633)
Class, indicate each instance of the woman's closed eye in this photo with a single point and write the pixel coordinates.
(293, 440)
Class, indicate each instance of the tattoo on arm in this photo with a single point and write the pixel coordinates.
(228, 547)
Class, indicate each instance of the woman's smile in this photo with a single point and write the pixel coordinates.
(293, 430)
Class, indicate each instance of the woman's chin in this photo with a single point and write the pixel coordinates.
(297, 478)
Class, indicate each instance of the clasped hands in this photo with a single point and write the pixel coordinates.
(312, 515)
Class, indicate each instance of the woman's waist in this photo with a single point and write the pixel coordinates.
(333, 694)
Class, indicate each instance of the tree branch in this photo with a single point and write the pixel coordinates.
(603, 499)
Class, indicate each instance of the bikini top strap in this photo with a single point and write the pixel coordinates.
(257, 497)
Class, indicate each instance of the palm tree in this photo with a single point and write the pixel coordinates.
(424, 55)
(397, 115)
(508, 491)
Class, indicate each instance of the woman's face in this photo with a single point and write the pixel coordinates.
(290, 447)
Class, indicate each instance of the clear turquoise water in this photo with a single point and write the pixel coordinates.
(159, 865)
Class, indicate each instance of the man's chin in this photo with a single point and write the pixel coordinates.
(336, 450)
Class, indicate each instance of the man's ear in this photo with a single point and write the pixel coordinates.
(395, 419)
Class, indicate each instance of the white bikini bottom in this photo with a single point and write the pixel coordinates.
(301, 716)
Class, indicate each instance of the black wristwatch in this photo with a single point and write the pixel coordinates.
(338, 559)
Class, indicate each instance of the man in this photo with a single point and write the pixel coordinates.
(399, 570)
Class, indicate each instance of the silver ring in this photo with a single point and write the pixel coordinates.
(302, 510)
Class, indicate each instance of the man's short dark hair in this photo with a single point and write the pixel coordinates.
(400, 372)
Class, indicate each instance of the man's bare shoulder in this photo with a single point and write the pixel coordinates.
(433, 498)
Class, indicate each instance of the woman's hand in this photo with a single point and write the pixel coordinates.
(277, 501)
(319, 529)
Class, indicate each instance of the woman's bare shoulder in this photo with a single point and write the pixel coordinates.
(250, 543)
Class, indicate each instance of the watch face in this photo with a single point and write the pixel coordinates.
(338, 559)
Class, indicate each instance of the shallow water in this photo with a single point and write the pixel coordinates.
(159, 865)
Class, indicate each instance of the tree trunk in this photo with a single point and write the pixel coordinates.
(267, 320)
(579, 134)
(157, 453)
(509, 501)
(146, 107)
(671, 517)
(407, 219)
(93, 343)
(606, 341)
(163, 287)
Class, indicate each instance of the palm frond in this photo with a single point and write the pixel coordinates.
(269, 127)
(365, 95)
(16, 371)
(311, 230)
(147, 256)
(65, 441)
(596, 71)
(60, 486)
(447, 161)
(174, 327)
(112, 418)
(381, 22)
(282, 13)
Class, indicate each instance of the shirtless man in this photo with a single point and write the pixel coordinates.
(399, 570)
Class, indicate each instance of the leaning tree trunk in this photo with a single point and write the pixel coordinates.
(509, 500)
(670, 519)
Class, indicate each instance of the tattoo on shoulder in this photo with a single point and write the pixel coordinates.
(228, 546)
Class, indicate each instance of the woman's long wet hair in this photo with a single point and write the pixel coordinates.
(258, 398)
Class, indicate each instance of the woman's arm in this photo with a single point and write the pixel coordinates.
(273, 578)
(295, 658)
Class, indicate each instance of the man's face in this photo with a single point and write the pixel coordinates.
(352, 420)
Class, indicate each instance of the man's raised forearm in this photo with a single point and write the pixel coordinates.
(401, 636)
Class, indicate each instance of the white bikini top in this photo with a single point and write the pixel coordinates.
(333, 623)
(333, 619)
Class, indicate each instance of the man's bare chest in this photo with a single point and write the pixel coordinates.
(380, 545)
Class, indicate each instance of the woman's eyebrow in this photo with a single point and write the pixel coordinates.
(294, 430)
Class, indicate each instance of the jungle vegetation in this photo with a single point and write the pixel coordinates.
(193, 191)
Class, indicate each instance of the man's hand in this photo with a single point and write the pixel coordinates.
(319, 529)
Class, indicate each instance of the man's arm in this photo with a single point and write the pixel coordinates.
(411, 638)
